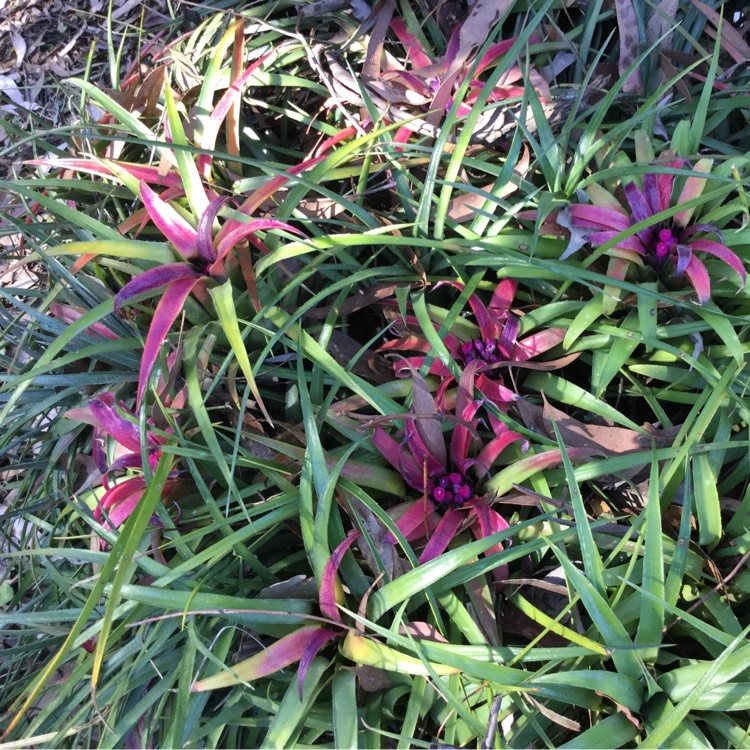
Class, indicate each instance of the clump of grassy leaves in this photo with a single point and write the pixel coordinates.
(211, 549)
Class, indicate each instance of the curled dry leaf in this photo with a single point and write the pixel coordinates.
(609, 441)
(731, 40)
(630, 47)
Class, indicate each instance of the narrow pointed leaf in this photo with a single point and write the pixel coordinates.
(191, 179)
(166, 313)
(273, 658)
(224, 303)
(613, 632)
(153, 279)
(316, 642)
(218, 114)
(329, 585)
(363, 650)
(699, 278)
(153, 251)
(722, 252)
(443, 534)
(172, 225)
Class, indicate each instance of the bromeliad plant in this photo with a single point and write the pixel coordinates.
(666, 244)
(117, 445)
(452, 479)
(204, 263)
(433, 82)
(186, 214)
(493, 342)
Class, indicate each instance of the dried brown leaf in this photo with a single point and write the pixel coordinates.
(731, 40)
(630, 47)
(662, 19)
(610, 441)
(382, 20)
(429, 430)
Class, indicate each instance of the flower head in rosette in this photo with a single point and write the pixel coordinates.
(668, 246)
(449, 477)
(491, 342)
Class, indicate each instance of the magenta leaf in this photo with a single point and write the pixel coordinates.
(461, 438)
(599, 217)
(684, 253)
(393, 452)
(652, 192)
(443, 535)
(665, 184)
(414, 49)
(164, 316)
(508, 337)
(239, 230)
(118, 494)
(489, 454)
(139, 171)
(128, 461)
(490, 522)
(494, 391)
(502, 297)
(537, 343)
(261, 194)
(638, 203)
(317, 640)
(205, 241)
(488, 327)
(723, 253)
(625, 243)
(327, 594)
(152, 279)
(699, 278)
(172, 225)
(122, 510)
(414, 523)
(494, 52)
(116, 426)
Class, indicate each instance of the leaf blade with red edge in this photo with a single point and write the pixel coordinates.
(172, 225)
(317, 641)
(329, 584)
(698, 276)
(722, 252)
(154, 279)
(166, 313)
(220, 112)
(240, 230)
(280, 654)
